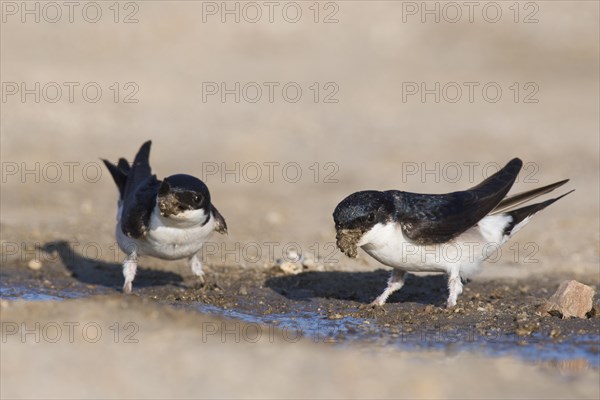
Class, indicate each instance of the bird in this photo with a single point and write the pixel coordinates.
(169, 219)
(451, 233)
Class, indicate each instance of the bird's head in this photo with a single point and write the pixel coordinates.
(184, 197)
(356, 215)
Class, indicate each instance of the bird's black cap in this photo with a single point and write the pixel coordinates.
(361, 210)
(189, 192)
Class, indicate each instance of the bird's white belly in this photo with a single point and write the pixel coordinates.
(173, 243)
(387, 244)
(168, 242)
(408, 257)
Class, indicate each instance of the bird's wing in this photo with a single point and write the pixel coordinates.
(139, 194)
(438, 218)
(138, 207)
(118, 176)
(119, 173)
(139, 170)
(520, 198)
(220, 224)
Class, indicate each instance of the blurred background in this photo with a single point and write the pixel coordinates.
(426, 97)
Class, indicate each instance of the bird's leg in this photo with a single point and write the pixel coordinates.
(196, 266)
(455, 287)
(395, 282)
(129, 268)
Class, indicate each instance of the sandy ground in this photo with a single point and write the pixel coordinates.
(197, 356)
(376, 136)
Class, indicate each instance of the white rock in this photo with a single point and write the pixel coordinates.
(34, 264)
(291, 268)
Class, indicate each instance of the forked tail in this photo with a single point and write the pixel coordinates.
(521, 216)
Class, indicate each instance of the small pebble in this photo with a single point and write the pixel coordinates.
(291, 268)
(34, 264)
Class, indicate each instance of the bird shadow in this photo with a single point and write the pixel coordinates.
(362, 287)
(97, 272)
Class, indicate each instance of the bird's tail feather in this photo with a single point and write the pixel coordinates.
(521, 214)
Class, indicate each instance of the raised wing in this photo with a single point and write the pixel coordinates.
(138, 207)
(139, 171)
(119, 173)
(438, 218)
(139, 194)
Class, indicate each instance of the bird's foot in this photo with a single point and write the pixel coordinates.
(395, 282)
(379, 302)
(127, 287)
(455, 288)
(200, 282)
(129, 269)
(200, 278)
(196, 266)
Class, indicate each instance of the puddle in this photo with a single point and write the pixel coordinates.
(315, 327)
(538, 348)
(7, 293)
(34, 293)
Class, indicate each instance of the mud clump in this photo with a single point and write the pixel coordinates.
(168, 205)
(347, 240)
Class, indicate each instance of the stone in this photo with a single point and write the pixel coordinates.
(34, 264)
(291, 268)
(572, 299)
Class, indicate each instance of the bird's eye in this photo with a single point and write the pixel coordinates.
(371, 217)
(197, 199)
